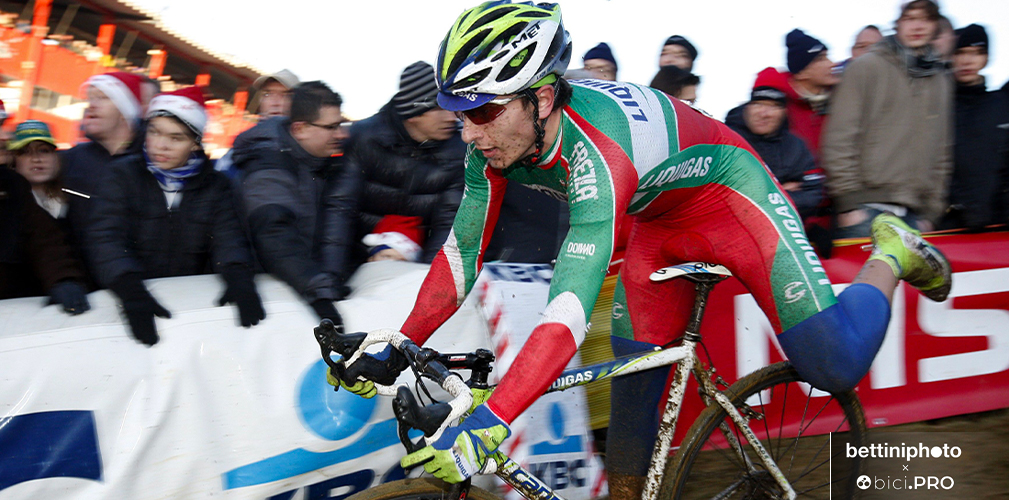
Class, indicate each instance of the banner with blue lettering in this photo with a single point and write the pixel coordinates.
(215, 410)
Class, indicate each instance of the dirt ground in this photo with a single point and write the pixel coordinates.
(982, 471)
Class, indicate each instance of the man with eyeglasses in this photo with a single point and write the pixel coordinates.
(297, 198)
(697, 192)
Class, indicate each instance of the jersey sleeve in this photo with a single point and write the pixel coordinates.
(599, 187)
(457, 265)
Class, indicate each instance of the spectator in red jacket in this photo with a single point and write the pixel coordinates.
(810, 80)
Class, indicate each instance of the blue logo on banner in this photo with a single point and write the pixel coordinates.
(49, 444)
(330, 415)
(560, 443)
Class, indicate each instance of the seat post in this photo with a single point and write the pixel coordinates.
(702, 288)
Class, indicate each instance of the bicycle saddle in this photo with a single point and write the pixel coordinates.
(694, 271)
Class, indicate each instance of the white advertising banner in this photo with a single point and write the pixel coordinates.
(213, 410)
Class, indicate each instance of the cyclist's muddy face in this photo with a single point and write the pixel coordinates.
(507, 138)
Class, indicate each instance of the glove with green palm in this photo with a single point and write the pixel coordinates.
(462, 451)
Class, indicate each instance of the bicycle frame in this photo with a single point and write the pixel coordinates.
(685, 358)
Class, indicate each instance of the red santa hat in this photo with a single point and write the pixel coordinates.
(123, 89)
(398, 232)
(186, 105)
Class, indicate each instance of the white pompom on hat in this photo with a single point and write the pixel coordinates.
(187, 105)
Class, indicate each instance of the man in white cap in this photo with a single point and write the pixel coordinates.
(271, 98)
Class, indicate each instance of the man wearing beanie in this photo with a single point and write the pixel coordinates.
(810, 80)
(600, 61)
(979, 189)
(888, 145)
(111, 124)
(297, 197)
(165, 212)
(409, 156)
(763, 122)
(679, 52)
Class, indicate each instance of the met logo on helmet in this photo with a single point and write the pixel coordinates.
(528, 33)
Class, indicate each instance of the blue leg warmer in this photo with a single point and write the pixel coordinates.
(834, 348)
(634, 413)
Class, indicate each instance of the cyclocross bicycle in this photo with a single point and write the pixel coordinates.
(751, 440)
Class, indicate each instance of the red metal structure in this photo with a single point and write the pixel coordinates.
(49, 48)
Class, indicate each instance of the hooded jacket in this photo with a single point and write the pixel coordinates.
(979, 189)
(403, 177)
(134, 232)
(299, 209)
(788, 158)
(889, 138)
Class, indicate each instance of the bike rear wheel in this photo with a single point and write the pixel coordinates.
(706, 465)
(424, 488)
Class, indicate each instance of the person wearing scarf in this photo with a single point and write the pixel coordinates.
(166, 212)
(888, 145)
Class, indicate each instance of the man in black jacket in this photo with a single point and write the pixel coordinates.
(112, 125)
(410, 157)
(298, 200)
(979, 189)
(763, 123)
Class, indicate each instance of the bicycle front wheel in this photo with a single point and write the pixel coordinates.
(716, 461)
(424, 488)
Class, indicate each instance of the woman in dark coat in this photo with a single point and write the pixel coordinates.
(167, 212)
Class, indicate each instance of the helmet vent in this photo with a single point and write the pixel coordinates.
(499, 55)
(517, 63)
(463, 53)
(492, 16)
(533, 13)
(555, 48)
(470, 81)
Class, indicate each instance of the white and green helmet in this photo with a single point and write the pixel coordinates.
(500, 48)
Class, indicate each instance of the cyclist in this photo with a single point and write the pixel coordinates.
(697, 191)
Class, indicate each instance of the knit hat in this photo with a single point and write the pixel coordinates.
(769, 86)
(972, 35)
(601, 51)
(186, 105)
(802, 49)
(683, 42)
(418, 91)
(123, 89)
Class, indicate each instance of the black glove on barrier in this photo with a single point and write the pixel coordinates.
(241, 290)
(71, 295)
(140, 307)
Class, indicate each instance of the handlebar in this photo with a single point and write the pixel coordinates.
(431, 420)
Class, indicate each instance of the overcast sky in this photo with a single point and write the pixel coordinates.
(359, 48)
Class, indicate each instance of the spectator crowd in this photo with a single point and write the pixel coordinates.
(905, 125)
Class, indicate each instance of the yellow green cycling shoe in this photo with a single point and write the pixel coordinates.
(912, 259)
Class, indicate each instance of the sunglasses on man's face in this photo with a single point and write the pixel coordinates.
(486, 113)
